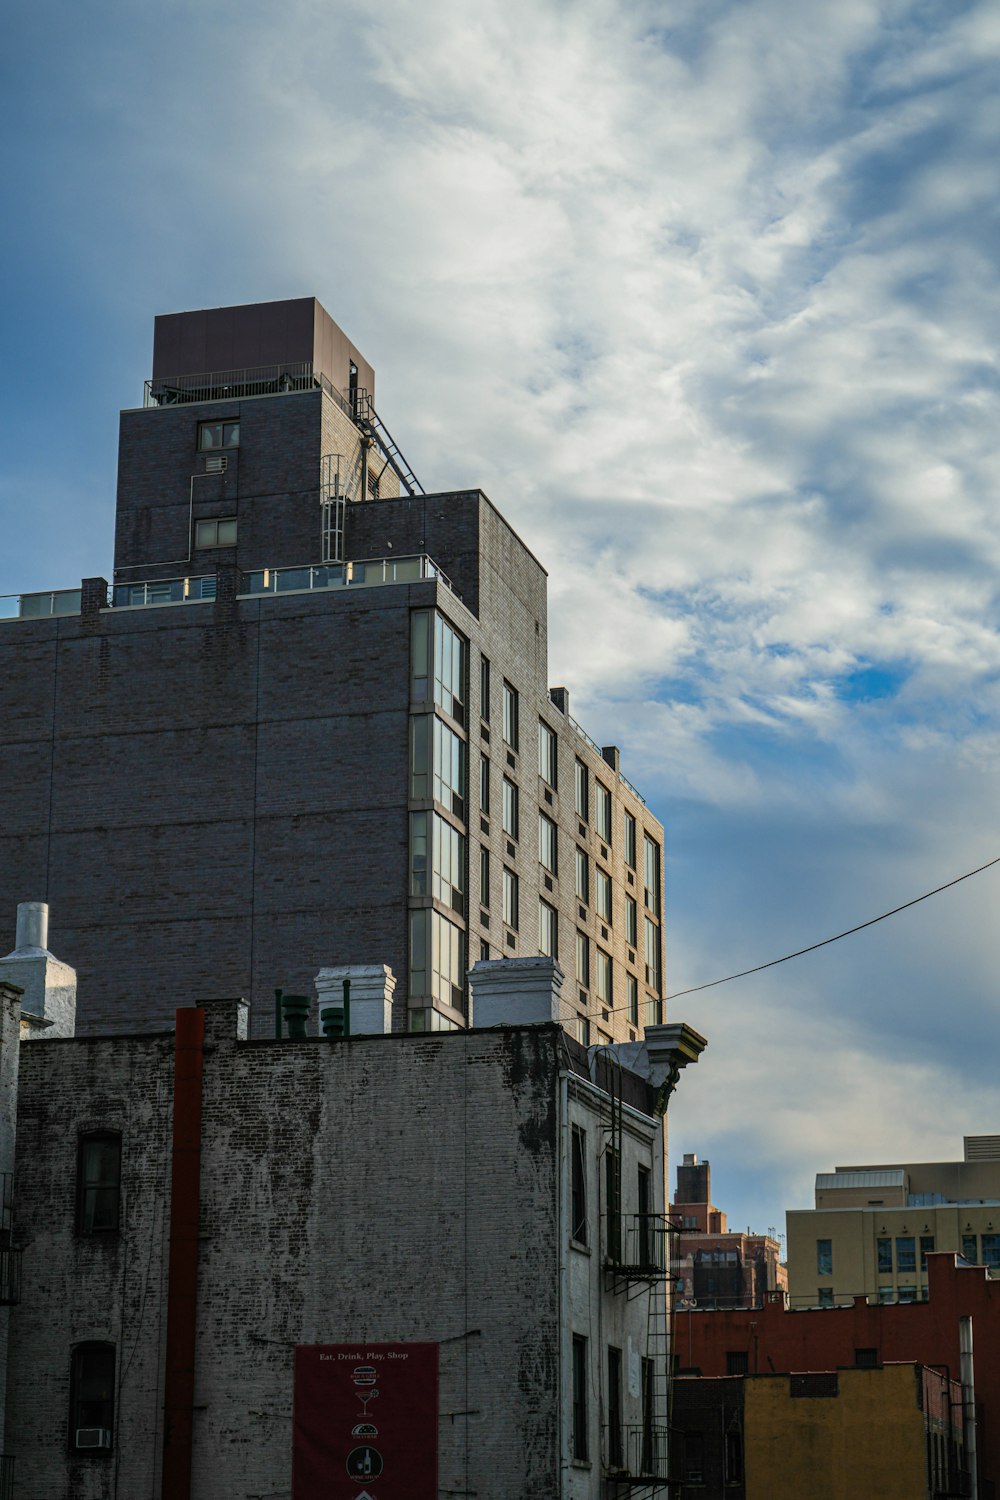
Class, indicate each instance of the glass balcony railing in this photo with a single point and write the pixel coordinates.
(52, 603)
(163, 591)
(368, 573)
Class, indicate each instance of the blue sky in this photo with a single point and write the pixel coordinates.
(705, 296)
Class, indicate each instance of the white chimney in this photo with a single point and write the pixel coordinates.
(372, 987)
(48, 1005)
(515, 991)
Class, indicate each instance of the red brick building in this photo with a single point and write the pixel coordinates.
(775, 1340)
(715, 1266)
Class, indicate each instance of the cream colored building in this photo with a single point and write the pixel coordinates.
(873, 1226)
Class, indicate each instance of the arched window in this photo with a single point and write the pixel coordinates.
(98, 1182)
(92, 1397)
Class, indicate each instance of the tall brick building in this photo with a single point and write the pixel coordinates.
(309, 714)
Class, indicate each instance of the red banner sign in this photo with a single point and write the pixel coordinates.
(365, 1424)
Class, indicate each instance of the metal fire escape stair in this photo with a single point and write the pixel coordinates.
(373, 427)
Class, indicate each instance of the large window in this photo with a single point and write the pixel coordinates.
(581, 1446)
(824, 1257)
(547, 845)
(484, 876)
(582, 793)
(511, 727)
(578, 1187)
(616, 1454)
(583, 959)
(92, 1398)
(510, 899)
(438, 870)
(602, 811)
(484, 688)
(602, 977)
(98, 1182)
(885, 1256)
(906, 1253)
(632, 996)
(438, 655)
(582, 876)
(548, 759)
(437, 958)
(926, 1246)
(602, 894)
(548, 930)
(437, 763)
(991, 1250)
(629, 840)
(511, 810)
(484, 785)
(215, 435)
(651, 874)
(652, 937)
(631, 922)
(970, 1250)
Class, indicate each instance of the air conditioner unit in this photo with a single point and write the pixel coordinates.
(93, 1437)
(216, 463)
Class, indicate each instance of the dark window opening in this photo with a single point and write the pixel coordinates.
(92, 1397)
(98, 1182)
(580, 1446)
(578, 1188)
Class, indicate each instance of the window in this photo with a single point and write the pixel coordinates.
(648, 1413)
(737, 1362)
(926, 1245)
(615, 1452)
(444, 861)
(214, 435)
(583, 1030)
(824, 1257)
(613, 1199)
(510, 898)
(484, 951)
(866, 1359)
(907, 1294)
(437, 763)
(886, 1294)
(92, 1397)
(548, 760)
(694, 1458)
(651, 874)
(602, 811)
(582, 877)
(581, 1450)
(885, 1256)
(630, 840)
(825, 1296)
(547, 845)
(484, 785)
(583, 959)
(98, 1182)
(906, 1253)
(511, 815)
(548, 930)
(510, 716)
(734, 1449)
(970, 1247)
(484, 689)
(602, 894)
(578, 1187)
(632, 994)
(991, 1250)
(437, 959)
(447, 668)
(654, 1011)
(582, 795)
(484, 876)
(602, 977)
(215, 533)
(652, 937)
(631, 922)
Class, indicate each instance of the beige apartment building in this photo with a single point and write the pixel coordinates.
(874, 1226)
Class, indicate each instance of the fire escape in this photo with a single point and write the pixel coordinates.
(637, 1262)
(10, 1293)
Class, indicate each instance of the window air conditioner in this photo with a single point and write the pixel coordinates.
(216, 463)
(93, 1437)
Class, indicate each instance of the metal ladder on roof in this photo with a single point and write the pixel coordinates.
(373, 427)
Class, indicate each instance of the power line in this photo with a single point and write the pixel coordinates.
(836, 938)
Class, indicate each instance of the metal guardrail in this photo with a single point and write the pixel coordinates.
(637, 1245)
(598, 751)
(365, 573)
(163, 591)
(644, 1452)
(232, 385)
(42, 606)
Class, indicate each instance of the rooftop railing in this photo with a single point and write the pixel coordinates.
(598, 751)
(235, 385)
(51, 603)
(367, 573)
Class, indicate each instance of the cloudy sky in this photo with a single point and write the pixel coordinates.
(704, 294)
